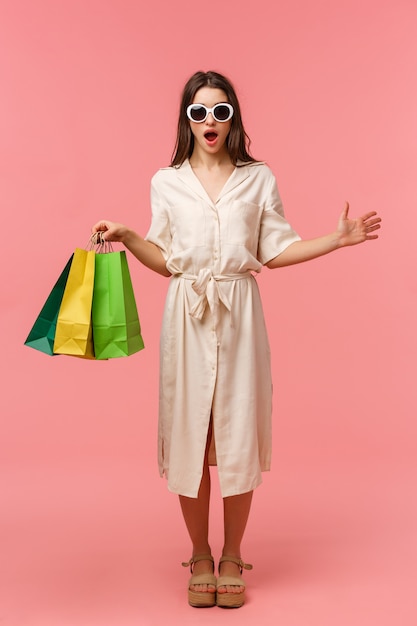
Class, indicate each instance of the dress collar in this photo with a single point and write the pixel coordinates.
(186, 175)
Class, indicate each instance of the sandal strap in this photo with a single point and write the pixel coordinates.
(235, 581)
(238, 561)
(203, 579)
(196, 559)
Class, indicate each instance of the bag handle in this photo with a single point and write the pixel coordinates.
(98, 244)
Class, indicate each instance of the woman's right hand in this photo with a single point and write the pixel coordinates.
(111, 231)
(146, 252)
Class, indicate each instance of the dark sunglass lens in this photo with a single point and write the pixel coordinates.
(198, 113)
(221, 112)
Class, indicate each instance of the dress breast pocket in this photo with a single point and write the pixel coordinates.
(189, 225)
(243, 223)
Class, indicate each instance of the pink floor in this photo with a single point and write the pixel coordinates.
(331, 546)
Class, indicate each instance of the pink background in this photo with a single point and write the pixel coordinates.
(88, 107)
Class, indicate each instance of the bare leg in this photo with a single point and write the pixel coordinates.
(196, 516)
(236, 513)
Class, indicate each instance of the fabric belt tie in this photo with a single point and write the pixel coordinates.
(208, 288)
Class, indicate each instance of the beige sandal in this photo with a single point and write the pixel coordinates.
(201, 598)
(227, 599)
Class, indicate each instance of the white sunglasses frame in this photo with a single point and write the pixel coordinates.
(209, 110)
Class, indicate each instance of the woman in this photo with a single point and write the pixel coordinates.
(216, 219)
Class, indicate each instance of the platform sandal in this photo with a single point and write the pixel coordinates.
(201, 598)
(227, 599)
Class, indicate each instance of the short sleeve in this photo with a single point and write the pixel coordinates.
(275, 234)
(159, 232)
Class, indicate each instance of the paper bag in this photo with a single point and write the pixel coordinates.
(42, 335)
(73, 334)
(116, 327)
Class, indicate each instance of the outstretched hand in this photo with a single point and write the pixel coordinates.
(353, 231)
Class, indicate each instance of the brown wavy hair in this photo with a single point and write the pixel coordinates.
(237, 141)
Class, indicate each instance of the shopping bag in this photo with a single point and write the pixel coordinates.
(116, 327)
(42, 335)
(74, 334)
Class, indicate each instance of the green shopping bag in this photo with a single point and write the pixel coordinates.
(116, 327)
(42, 335)
(73, 334)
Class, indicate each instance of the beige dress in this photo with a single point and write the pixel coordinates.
(215, 356)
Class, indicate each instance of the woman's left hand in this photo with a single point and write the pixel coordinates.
(353, 231)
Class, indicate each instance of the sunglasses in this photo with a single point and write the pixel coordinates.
(221, 112)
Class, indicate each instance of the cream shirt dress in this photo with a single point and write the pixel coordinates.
(215, 355)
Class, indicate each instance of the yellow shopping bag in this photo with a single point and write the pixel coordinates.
(74, 333)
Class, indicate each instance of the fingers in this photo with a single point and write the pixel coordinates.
(367, 216)
(370, 229)
(100, 226)
(371, 225)
(110, 231)
(345, 211)
(376, 220)
(98, 238)
(99, 230)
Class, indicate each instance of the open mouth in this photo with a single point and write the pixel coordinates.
(210, 136)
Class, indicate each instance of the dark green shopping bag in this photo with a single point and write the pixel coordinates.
(116, 327)
(42, 335)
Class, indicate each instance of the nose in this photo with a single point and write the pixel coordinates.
(210, 119)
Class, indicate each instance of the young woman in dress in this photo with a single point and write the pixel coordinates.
(217, 219)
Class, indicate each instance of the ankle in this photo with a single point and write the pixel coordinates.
(201, 551)
(233, 551)
(202, 548)
(229, 563)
